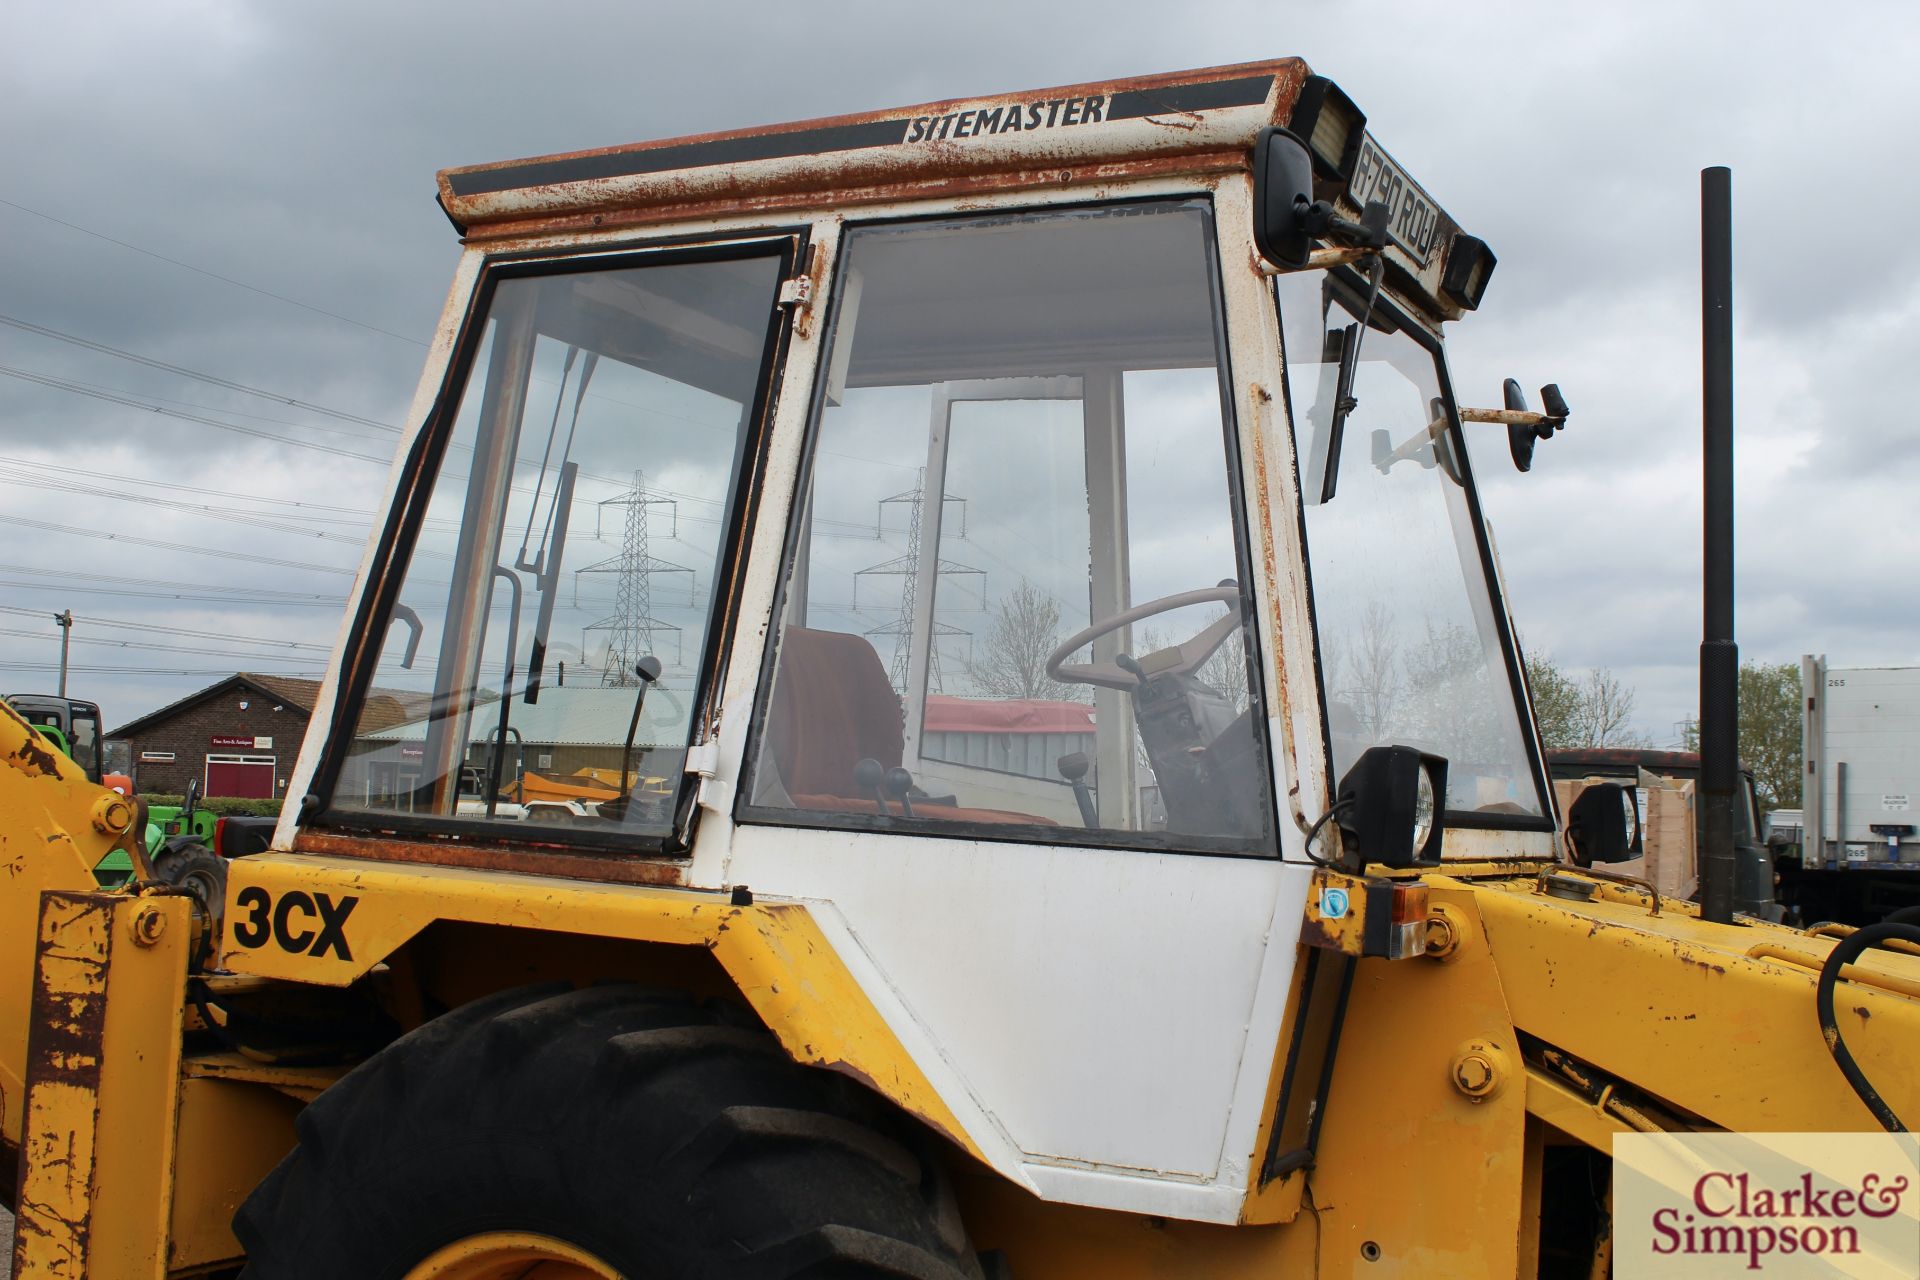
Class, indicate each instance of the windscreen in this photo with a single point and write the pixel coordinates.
(1411, 651)
(1013, 606)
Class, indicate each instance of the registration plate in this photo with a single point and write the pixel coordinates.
(1413, 221)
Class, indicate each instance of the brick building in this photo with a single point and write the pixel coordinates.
(238, 737)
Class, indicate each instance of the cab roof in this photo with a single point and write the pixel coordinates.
(1187, 122)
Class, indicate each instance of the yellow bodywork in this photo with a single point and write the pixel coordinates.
(1531, 1021)
(772, 952)
(48, 840)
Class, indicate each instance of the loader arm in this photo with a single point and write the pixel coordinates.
(1698, 1022)
(54, 827)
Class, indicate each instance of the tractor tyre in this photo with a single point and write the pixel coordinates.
(186, 863)
(608, 1131)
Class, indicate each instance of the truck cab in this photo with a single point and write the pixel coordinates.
(1755, 875)
(78, 723)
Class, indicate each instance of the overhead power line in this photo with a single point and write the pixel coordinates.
(163, 648)
(81, 389)
(213, 275)
(106, 536)
(184, 597)
(200, 509)
(267, 595)
(314, 672)
(121, 624)
(196, 375)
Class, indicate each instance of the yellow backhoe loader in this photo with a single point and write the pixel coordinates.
(1103, 831)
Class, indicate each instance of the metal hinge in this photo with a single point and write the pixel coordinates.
(702, 759)
(797, 292)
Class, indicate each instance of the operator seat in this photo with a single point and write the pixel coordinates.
(834, 705)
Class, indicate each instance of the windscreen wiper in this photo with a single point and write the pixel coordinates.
(548, 578)
(536, 564)
(1344, 401)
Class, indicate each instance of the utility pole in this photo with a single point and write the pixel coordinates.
(65, 619)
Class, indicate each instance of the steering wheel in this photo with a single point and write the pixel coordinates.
(1179, 659)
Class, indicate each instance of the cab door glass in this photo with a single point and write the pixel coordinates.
(567, 568)
(1014, 605)
(1411, 644)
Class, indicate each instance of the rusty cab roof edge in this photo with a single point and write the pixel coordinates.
(1190, 121)
(913, 143)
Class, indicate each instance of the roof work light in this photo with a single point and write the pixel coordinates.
(1331, 125)
(1469, 266)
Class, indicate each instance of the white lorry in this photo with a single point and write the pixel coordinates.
(1860, 830)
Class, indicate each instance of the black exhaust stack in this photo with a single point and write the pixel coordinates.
(1719, 655)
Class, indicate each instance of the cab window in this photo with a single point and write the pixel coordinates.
(1014, 602)
(550, 641)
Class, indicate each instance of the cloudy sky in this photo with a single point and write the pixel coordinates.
(241, 196)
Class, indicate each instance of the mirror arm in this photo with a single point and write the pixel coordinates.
(1319, 259)
(1513, 418)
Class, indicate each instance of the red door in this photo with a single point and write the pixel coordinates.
(246, 779)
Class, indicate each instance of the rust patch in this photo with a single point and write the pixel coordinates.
(1709, 965)
(1313, 933)
(837, 199)
(67, 1013)
(1287, 75)
(534, 860)
(9, 1173)
(34, 760)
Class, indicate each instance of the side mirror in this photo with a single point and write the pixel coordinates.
(1282, 198)
(1522, 436)
(1604, 824)
(1392, 806)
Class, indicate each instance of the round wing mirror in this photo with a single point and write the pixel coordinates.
(1520, 439)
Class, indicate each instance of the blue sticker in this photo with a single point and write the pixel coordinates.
(1333, 904)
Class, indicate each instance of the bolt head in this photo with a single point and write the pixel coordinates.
(112, 814)
(1479, 1070)
(148, 924)
(1474, 1074)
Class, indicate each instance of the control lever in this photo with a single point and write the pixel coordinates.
(1073, 768)
(648, 670)
(869, 775)
(899, 784)
(404, 613)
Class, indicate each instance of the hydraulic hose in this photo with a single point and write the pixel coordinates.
(1850, 948)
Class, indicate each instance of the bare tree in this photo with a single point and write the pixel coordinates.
(1226, 670)
(1011, 659)
(1607, 708)
(1375, 661)
(1594, 710)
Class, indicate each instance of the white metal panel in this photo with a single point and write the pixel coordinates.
(1095, 1002)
